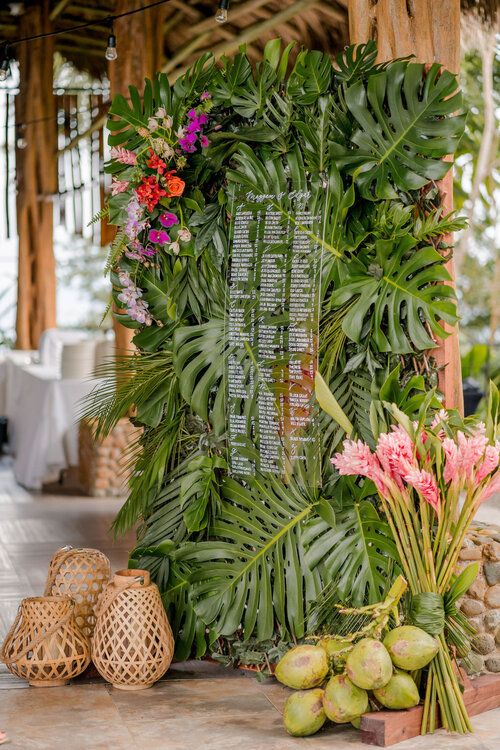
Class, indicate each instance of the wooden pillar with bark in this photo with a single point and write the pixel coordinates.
(139, 44)
(36, 168)
(430, 30)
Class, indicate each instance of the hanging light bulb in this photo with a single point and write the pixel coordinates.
(221, 15)
(5, 64)
(111, 53)
(21, 143)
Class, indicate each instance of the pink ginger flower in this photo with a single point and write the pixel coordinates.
(452, 466)
(119, 186)
(491, 488)
(357, 458)
(123, 155)
(489, 463)
(425, 484)
(395, 451)
(471, 450)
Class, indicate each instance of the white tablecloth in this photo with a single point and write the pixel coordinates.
(43, 413)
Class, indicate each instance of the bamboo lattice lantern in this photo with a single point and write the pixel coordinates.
(82, 574)
(44, 644)
(132, 646)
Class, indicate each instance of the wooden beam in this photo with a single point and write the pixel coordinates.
(58, 9)
(140, 55)
(430, 30)
(252, 33)
(36, 180)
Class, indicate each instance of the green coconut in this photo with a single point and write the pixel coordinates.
(303, 713)
(302, 667)
(369, 665)
(399, 693)
(343, 701)
(335, 647)
(410, 647)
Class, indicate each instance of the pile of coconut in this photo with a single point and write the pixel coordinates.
(370, 666)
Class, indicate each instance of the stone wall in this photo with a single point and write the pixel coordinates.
(481, 604)
(102, 464)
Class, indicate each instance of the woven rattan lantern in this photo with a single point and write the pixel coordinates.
(81, 574)
(132, 646)
(44, 644)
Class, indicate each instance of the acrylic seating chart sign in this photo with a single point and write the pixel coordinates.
(273, 319)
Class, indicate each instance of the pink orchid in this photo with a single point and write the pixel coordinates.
(119, 186)
(123, 155)
(168, 220)
(158, 237)
(426, 485)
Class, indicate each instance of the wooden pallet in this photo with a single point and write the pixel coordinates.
(385, 728)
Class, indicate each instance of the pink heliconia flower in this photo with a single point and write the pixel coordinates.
(426, 485)
(395, 451)
(489, 463)
(123, 155)
(119, 186)
(441, 416)
(357, 458)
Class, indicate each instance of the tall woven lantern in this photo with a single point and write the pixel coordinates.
(82, 574)
(132, 646)
(45, 645)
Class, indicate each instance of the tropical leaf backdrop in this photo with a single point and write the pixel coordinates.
(246, 558)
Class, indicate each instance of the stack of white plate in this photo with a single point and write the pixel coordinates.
(104, 352)
(77, 360)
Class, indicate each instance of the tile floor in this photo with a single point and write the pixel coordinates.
(200, 705)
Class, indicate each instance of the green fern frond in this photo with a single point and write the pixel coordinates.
(116, 250)
(103, 213)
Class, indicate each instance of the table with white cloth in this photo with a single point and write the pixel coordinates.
(43, 410)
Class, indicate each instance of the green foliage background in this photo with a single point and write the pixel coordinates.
(246, 559)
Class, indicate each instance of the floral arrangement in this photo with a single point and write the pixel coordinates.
(431, 481)
(148, 181)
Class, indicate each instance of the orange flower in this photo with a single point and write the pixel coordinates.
(175, 185)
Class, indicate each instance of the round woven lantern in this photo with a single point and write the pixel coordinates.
(132, 646)
(44, 644)
(82, 574)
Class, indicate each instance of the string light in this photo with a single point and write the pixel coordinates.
(221, 14)
(86, 25)
(111, 53)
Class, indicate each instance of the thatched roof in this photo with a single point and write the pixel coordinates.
(190, 28)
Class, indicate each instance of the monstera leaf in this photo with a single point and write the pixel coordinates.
(406, 122)
(356, 62)
(253, 574)
(396, 295)
(200, 354)
(358, 553)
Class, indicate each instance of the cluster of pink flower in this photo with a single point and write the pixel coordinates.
(131, 296)
(470, 461)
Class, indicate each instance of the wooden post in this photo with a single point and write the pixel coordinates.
(36, 180)
(430, 30)
(139, 44)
